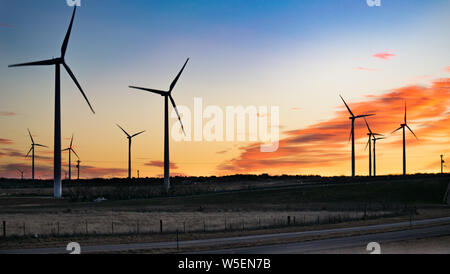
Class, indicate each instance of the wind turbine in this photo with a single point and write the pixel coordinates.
(369, 143)
(167, 95)
(33, 145)
(375, 139)
(442, 163)
(70, 150)
(57, 62)
(78, 169)
(403, 126)
(130, 137)
(352, 133)
(21, 173)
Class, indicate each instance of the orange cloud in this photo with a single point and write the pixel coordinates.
(325, 144)
(5, 141)
(7, 113)
(384, 55)
(366, 69)
(160, 164)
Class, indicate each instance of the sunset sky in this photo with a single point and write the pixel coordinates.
(297, 55)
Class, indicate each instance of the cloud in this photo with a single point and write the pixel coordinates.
(5, 141)
(384, 55)
(160, 164)
(5, 25)
(366, 69)
(7, 113)
(325, 144)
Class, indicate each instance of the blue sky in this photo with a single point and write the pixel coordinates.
(285, 53)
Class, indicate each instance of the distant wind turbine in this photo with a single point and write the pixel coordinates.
(442, 163)
(375, 139)
(21, 173)
(33, 145)
(70, 150)
(369, 144)
(352, 133)
(78, 169)
(130, 137)
(57, 62)
(403, 126)
(167, 95)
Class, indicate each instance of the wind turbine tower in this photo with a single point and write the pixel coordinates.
(352, 133)
(403, 126)
(57, 62)
(167, 95)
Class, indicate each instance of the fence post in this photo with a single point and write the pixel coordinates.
(4, 229)
(178, 246)
(184, 227)
(225, 224)
(289, 220)
(160, 226)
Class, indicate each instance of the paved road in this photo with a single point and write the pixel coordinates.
(337, 244)
(256, 238)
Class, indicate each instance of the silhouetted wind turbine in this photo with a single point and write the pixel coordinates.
(369, 143)
(130, 137)
(78, 169)
(21, 173)
(375, 139)
(442, 163)
(70, 150)
(352, 134)
(167, 95)
(57, 62)
(403, 126)
(33, 145)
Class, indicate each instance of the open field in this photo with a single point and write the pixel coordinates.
(215, 207)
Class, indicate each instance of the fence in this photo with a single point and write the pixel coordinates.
(120, 227)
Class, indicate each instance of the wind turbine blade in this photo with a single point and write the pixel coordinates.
(71, 141)
(66, 149)
(39, 145)
(66, 39)
(176, 110)
(405, 112)
(78, 85)
(351, 113)
(137, 134)
(350, 137)
(397, 129)
(32, 141)
(123, 130)
(412, 132)
(367, 144)
(160, 92)
(29, 152)
(377, 134)
(365, 115)
(37, 63)
(74, 152)
(178, 76)
(368, 126)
